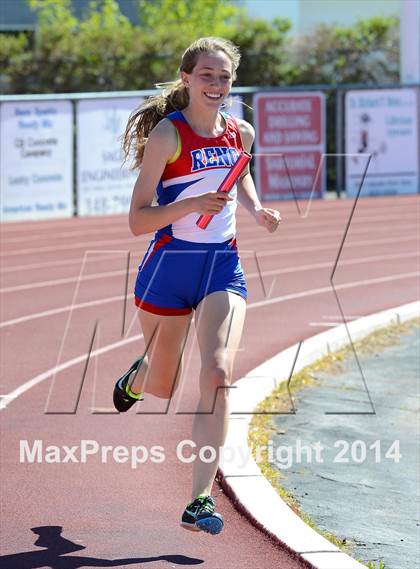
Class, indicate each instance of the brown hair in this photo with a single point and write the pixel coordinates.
(175, 97)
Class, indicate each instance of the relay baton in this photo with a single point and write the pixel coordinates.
(227, 184)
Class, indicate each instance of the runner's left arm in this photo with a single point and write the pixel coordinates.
(247, 194)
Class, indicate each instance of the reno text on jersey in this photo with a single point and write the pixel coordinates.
(213, 157)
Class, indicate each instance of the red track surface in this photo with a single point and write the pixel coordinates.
(132, 515)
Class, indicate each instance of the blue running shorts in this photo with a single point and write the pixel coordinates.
(175, 275)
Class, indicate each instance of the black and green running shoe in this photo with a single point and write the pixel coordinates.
(199, 515)
(123, 397)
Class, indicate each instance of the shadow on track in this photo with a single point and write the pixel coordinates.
(54, 556)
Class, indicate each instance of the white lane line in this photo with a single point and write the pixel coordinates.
(64, 234)
(119, 228)
(326, 324)
(140, 242)
(67, 280)
(88, 244)
(54, 311)
(375, 205)
(57, 369)
(339, 317)
(286, 270)
(7, 399)
(348, 245)
(242, 245)
(91, 244)
(104, 220)
(337, 287)
(48, 264)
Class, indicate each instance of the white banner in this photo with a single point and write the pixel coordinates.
(104, 186)
(383, 124)
(36, 160)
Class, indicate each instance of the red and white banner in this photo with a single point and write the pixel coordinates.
(289, 145)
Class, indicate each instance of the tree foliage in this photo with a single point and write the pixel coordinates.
(264, 47)
(104, 51)
(185, 20)
(367, 52)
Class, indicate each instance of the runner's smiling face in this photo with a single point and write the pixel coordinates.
(210, 81)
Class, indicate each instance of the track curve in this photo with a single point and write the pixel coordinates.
(60, 278)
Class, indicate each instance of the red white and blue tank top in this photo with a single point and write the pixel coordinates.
(199, 166)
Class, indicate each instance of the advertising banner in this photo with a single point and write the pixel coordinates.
(289, 145)
(36, 160)
(104, 184)
(382, 124)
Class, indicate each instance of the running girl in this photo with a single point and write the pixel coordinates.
(185, 146)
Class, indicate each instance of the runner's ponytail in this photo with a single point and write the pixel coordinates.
(144, 119)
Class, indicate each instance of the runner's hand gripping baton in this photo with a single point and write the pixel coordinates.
(227, 184)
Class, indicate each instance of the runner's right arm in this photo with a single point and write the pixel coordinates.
(145, 218)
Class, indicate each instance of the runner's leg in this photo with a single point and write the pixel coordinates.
(165, 338)
(219, 318)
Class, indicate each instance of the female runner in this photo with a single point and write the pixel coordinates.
(185, 146)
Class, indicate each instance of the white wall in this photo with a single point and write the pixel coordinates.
(305, 14)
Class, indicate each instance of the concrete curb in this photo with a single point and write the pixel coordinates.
(240, 475)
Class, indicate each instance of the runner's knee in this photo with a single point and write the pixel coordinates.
(215, 380)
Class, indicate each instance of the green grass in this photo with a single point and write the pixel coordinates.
(372, 565)
(262, 426)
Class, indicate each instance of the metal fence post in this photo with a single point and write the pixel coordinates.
(339, 141)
